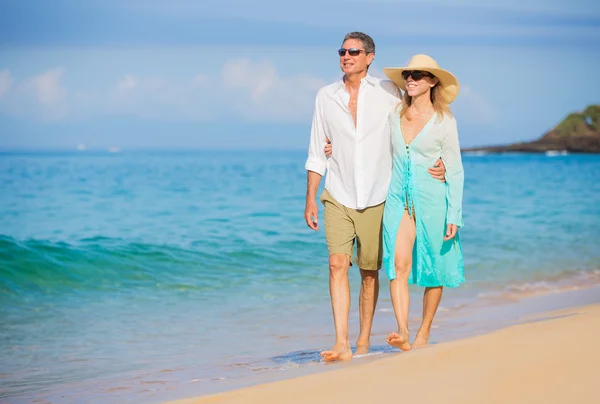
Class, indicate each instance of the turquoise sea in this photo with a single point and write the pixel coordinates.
(148, 276)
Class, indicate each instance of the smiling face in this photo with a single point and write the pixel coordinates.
(414, 88)
(355, 65)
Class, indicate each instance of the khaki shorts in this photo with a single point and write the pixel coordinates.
(344, 225)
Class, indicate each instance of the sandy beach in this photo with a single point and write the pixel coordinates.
(550, 358)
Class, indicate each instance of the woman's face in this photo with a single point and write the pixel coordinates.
(421, 85)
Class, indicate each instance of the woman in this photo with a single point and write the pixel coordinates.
(422, 215)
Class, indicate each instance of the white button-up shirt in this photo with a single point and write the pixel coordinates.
(360, 167)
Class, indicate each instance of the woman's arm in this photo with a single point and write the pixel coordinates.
(454, 175)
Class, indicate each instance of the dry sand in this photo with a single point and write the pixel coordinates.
(555, 359)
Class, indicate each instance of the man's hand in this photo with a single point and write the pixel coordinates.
(311, 214)
(450, 231)
(328, 148)
(438, 171)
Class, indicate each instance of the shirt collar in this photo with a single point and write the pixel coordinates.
(370, 79)
(338, 85)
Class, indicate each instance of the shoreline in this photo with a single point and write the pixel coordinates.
(462, 319)
(483, 312)
(531, 361)
(481, 322)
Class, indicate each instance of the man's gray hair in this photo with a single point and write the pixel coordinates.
(367, 41)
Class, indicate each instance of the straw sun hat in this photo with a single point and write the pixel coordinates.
(448, 82)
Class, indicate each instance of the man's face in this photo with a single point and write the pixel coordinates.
(355, 64)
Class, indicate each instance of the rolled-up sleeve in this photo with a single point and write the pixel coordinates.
(317, 161)
(454, 175)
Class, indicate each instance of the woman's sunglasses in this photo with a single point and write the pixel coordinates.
(351, 51)
(416, 74)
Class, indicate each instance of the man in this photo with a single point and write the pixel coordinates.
(353, 114)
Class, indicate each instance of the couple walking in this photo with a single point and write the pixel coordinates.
(394, 187)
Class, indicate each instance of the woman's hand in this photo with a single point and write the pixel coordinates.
(451, 231)
(328, 148)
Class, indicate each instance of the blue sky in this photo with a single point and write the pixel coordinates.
(240, 74)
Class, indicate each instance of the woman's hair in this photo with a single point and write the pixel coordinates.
(439, 104)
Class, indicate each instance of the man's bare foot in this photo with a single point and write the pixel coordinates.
(339, 352)
(399, 340)
(361, 349)
(421, 341)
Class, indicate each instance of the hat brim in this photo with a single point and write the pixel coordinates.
(448, 82)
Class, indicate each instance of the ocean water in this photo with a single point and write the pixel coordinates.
(146, 276)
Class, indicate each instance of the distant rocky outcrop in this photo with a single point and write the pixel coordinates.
(577, 133)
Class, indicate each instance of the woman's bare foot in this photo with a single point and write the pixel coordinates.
(399, 340)
(421, 341)
(339, 352)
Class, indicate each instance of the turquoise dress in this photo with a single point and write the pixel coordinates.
(432, 203)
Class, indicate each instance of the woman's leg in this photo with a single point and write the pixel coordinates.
(405, 240)
(431, 302)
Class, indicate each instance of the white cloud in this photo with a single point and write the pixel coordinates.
(200, 79)
(157, 98)
(474, 107)
(251, 90)
(261, 93)
(6, 81)
(48, 87)
(257, 78)
(127, 83)
(42, 97)
(133, 95)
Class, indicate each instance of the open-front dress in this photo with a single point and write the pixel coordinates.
(433, 204)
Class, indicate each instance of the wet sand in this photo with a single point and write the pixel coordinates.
(551, 358)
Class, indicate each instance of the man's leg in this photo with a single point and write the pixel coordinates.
(367, 223)
(339, 289)
(369, 292)
(340, 234)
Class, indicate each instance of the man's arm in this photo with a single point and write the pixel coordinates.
(311, 211)
(316, 165)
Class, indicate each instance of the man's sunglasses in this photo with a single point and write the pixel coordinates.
(416, 74)
(351, 51)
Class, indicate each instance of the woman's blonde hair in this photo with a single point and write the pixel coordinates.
(439, 103)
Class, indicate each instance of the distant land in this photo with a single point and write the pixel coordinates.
(577, 133)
